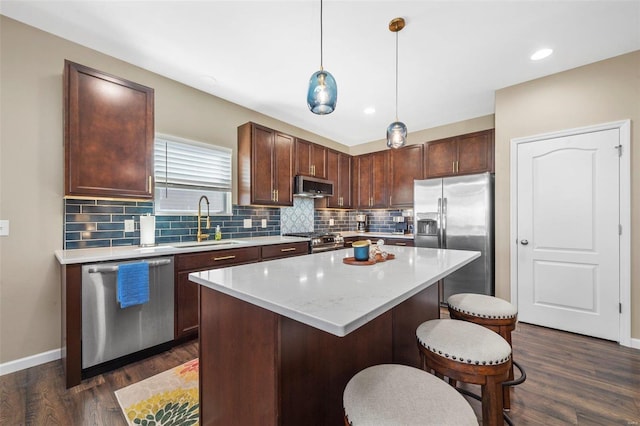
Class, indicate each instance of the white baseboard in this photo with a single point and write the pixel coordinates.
(635, 343)
(33, 360)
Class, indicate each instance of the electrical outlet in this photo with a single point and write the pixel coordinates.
(247, 223)
(129, 225)
(264, 223)
(4, 228)
(331, 222)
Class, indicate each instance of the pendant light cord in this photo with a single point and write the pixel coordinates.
(397, 75)
(321, 35)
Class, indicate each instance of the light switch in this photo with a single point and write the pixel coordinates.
(129, 226)
(4, 228)
(247, 223)
(264, 223)
(331, 222)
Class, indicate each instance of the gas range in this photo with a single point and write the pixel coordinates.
(320, 241)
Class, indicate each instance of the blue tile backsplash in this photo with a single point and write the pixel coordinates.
(100, 223)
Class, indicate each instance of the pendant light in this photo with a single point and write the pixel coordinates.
(397, 131)
(323, 91)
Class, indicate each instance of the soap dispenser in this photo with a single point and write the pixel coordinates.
(218, 233)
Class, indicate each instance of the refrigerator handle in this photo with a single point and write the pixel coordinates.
(443, 226)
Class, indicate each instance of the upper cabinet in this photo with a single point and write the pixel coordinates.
(108, 135)
(405, 165)
(339, 172)
(465, 154)
(311, 159)
(370, 180)
(265, 166)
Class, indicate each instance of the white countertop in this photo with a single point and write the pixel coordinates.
(321, 291)
(370, 235)
(67, 257)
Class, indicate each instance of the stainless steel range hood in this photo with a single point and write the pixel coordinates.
(305, 186)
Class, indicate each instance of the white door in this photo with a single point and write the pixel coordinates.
(568, 208)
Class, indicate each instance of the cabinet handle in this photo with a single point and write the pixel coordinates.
(390, 198)
(453, 167)
(401, 244)
(288, 249)
(457, 166)
(277, 195)
(150, 184)
(215, 259)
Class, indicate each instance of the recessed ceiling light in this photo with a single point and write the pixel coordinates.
(541, 54)
(370, 110)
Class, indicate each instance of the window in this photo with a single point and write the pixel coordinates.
(185, 170)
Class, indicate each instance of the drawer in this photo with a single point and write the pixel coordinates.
(399, 242)
(217, 258)
(284, 250)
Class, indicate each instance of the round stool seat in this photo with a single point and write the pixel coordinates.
(480, 305)
(391, 394)
(463, 342)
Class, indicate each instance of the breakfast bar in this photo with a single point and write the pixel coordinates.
(279, 340)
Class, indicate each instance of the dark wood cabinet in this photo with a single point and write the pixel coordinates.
(403, 242)
(405, 165)
(339, 171)
(464, 154)
(108, 135)
(265, 166)
(186, 292)
(311, 159)
(278, 251)
(370, 179)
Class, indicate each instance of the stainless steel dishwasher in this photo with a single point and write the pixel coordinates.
(110, 332)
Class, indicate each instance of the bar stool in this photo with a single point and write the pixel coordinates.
(469, 353)
(495, 314)
(391, 394)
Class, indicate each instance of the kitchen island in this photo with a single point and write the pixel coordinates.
(279, 340)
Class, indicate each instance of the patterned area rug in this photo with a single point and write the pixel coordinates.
(168, 399)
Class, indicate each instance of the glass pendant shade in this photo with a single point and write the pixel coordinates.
(323, 93)
(396, 135)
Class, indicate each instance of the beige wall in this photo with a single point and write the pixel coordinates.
(602, 92)
(31, 168)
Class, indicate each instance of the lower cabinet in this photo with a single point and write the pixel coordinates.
(406, 242)
(186, 306)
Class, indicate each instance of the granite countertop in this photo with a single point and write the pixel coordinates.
(323, 292)
(68, 257)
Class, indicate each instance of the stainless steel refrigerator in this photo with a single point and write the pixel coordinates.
(457, 213)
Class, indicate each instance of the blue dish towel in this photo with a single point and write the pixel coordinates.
(133, 284)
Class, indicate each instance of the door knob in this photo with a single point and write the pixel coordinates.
(524, 242)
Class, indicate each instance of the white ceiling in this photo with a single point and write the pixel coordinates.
(453, 55)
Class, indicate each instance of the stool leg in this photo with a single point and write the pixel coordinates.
(506, 390)
(492, 402)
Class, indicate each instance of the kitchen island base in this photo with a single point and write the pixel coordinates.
(258, 367)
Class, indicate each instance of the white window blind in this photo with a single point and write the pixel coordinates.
(185, 170)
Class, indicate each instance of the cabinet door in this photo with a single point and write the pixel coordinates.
(362, 183)
(440, 157)
(311, 159)
(109, 132)
(339, 172)
(475, 153)
(406, 165)
(186, 312)
(344, 180)
(283, 169)
(262, 166)
(379, 177)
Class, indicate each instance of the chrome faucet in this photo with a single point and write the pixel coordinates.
(200, 236)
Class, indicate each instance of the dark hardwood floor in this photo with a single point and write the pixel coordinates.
(572, 379)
